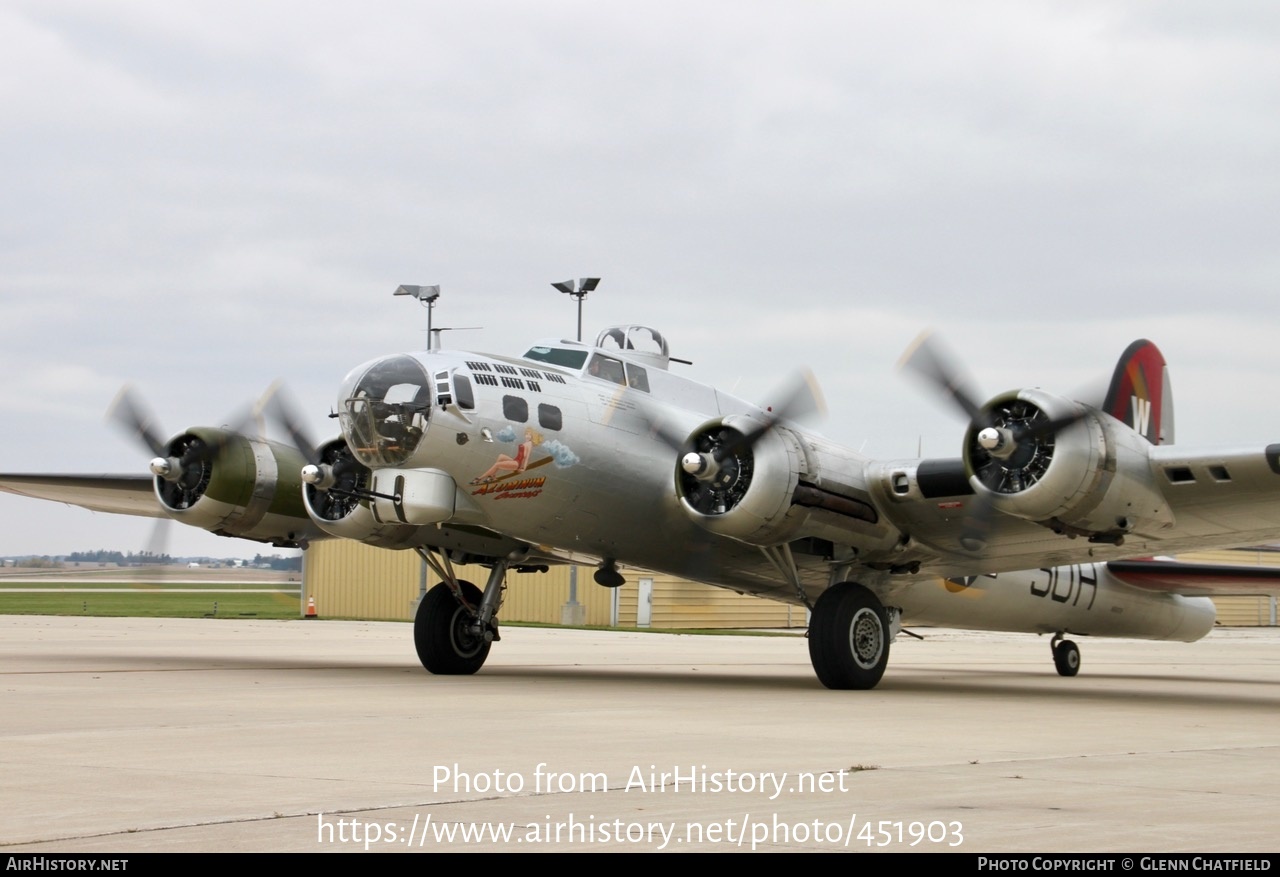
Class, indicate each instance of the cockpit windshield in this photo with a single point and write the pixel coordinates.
(385, 409)
(566, 357)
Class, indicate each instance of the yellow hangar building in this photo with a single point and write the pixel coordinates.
(351, 580)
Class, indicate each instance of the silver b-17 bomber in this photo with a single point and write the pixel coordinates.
(600, 453)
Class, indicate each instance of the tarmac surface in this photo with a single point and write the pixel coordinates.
(125, 735)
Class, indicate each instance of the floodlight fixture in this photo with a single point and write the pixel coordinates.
(578, 291)
(426, 296)
(422, 293)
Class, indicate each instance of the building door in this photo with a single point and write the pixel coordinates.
(644, 603)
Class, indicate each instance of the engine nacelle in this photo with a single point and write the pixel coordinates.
(749, 493)
(1078, 471)
(335, 508)
(338, 500)
(784, 486)
(234, 485)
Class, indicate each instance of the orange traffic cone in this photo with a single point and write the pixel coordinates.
(311, 608)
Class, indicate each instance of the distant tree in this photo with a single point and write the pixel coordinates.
(40, 563)
(275, 561)
(99, 556)
(146, 558)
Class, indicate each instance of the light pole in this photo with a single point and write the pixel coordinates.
(573, 612)
(579, 292)
(427, 296)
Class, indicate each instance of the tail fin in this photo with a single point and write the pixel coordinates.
(1139, 395)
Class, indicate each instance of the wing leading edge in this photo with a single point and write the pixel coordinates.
(116, 494)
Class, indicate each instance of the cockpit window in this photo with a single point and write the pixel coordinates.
(637, 378)
(607, 368)
(385, 411)
(557, 356)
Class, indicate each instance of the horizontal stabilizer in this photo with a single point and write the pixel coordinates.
(1197, 579)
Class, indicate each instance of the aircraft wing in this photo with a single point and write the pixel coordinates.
(117, 494)
(1197, 579)
(1222, 489)
(1176, 499)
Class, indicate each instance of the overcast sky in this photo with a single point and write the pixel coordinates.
(200, 198)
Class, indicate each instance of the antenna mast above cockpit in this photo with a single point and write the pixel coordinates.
(579, 292)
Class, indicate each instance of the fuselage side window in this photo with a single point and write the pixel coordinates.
(550, 417)
(462, 391)
(516, 409)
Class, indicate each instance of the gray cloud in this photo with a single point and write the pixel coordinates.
(203, 197)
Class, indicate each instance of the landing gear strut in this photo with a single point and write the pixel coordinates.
(1066, 656)
(455, 623)
(849, 637)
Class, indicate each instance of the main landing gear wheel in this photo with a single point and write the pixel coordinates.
(442, 632)
(1066, 657)
(849, 638)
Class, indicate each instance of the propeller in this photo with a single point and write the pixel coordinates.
(723, 451)
(340, 482)
(717, 464)
(932, 362)
(183, 464)
(332, 471)
(278, 405)
(801, 399)
(135, 418)
(180, 464)
(129, 413)
(801, 396)
(1010, 442)
(158, 548)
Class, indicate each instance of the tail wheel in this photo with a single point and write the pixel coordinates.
(849, 638)
(1066, 658)
(442, 632)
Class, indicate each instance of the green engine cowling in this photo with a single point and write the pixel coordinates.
(234, 485)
